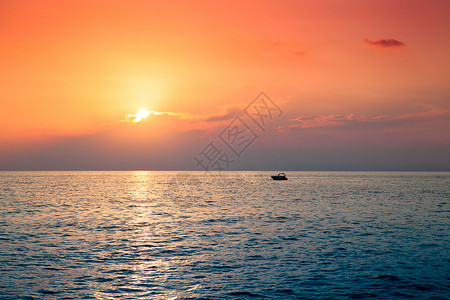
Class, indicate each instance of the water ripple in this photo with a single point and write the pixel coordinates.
(172, 235)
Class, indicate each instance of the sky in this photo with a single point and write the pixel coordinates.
(347, 85)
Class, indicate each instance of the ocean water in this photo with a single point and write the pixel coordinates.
(235, 235)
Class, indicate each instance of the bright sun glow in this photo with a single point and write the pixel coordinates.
(141, 114)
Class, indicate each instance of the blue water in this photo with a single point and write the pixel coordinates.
(237, 235)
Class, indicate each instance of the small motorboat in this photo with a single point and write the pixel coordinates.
(280, 176)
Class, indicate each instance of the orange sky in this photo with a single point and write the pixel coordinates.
(71, 68)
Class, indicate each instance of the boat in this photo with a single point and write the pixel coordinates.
(280, 176)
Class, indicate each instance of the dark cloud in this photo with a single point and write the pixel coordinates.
(384, 43)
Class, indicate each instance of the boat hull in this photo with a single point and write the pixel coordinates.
(279, 178)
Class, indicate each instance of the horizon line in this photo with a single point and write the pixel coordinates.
(218, 172)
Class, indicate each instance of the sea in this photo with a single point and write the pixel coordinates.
(228, 235)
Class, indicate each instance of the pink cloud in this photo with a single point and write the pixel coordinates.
(328, 120)
(384, 43)
(358, 121)
(299, 53)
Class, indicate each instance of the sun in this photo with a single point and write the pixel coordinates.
(140, 115)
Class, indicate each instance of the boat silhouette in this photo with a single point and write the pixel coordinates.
(280, 176)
